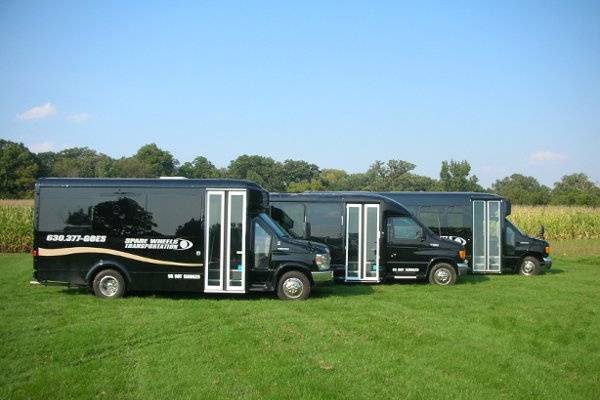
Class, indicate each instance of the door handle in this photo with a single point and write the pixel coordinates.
(239, 252)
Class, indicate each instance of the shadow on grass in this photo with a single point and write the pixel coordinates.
(320, 291)
(553, 271)
(472, 279)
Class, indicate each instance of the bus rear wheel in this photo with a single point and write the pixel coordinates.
(293, 285)
(109, 284)
(530, 266)
(442, 274)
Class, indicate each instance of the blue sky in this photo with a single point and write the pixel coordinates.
(508, 86)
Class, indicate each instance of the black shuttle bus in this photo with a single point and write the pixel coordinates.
(478, 220)
(212, 236)
(371, 238)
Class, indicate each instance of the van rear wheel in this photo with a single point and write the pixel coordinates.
(109, 284)
(530, 266)
(293, 285)
(442, 274)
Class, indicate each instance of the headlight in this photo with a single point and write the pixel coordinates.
(323, 261)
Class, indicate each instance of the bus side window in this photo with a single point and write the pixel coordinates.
(290, 216)
(262, 247)
(456, 220)
(432, 217)
(510, 236)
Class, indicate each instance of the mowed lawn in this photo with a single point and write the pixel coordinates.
(505, 336)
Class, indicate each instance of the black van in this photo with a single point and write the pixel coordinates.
(478, 220)
(213, 236)
(371, 238)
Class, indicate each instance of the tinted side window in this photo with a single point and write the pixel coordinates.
(290, 216)
(326, 227)
(176, 212)
(433, 218)
(65, 210)
(325, 220)
(122, 214)
(402, 228)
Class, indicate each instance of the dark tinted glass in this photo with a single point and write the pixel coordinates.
(290, 216)
(262, 247)
(176, 212)
(432, 217)
(325, 221)
(65, 210)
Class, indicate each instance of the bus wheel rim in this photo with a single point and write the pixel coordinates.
(442, 276)
(109, 286)
(293, 288)
(528, 267)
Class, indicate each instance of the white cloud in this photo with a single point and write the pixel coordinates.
(37, 112)
(546, 156)
(41, 147)
(78, 118)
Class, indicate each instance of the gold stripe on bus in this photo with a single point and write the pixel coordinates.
(98, 250)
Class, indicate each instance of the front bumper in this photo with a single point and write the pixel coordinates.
(463, 268)
(322, 276)
(547, 262)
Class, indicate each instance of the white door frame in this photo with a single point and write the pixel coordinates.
(362, 242)
(228, 286)
(486, 237)
(225, 244)
(364, 264)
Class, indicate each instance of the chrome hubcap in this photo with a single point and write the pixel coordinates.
(528, 267)
(442, 276)
(293, 288)
(109, 286)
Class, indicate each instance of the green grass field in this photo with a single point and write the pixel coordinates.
(507, 337)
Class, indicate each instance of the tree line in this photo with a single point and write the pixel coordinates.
(19, 168)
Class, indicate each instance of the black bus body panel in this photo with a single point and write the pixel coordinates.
(320, 217)
(450, 215)
(151, 230)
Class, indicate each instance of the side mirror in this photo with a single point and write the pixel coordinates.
(541, 232)
(422, 236)
(307, 230)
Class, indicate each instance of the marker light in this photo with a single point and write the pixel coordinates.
(34, 252)
(547, 249)
(461, 254)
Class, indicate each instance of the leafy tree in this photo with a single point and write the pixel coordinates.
(314, 185)
(521, 189)
(46, 161)
(79, 162)
(263, 170)
(396, 175)
(18, 170)
(131, 167)
(163, 163)
(576, 189)
(454, 177)
(199, 168)
(298, 171)
(333, 179)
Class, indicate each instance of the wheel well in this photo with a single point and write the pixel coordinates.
(286, 268)
(436, 261)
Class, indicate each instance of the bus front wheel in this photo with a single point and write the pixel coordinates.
(530, 266)
(293, 285)
(442, 274)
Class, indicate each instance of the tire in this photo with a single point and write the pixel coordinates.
(442, 274)
(530, 266)
(293, 285)
(109, 284)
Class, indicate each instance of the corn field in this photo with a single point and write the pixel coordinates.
(16, 227)
(561, 222)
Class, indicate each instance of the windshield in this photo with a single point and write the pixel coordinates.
(277, 229)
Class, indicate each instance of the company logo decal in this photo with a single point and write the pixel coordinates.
(158, 244)
(457, 239)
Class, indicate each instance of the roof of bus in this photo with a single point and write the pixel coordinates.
(148, 183)
(338, 196)
(440, 197)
